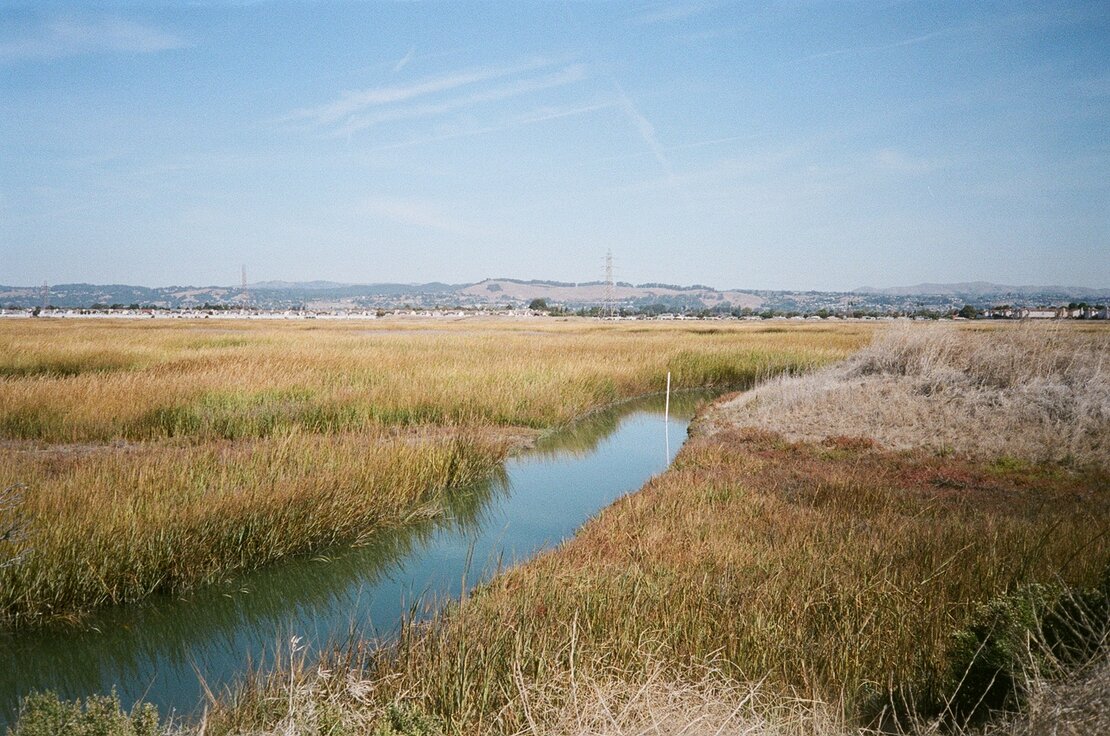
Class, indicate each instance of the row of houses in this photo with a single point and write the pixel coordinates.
(1084, 312)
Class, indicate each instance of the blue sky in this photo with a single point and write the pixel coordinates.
(790, 144)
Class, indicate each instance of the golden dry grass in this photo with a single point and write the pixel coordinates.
(1032, 392)
(829, 568)
(86, 381)
(161, 455)
(116, 525)
(1076, 706)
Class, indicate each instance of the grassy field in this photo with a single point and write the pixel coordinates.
(70, 382)
(772, 582)
(854, 547)
(155, 456)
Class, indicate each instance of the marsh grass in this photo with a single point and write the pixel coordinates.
(161, 456)
(832, 572)
(314, 698)
(828, 569)
(116, 525)
(95, 382)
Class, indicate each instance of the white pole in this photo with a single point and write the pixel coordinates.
(667, 421)
(667, 404)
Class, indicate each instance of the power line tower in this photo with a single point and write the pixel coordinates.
(610, 287)
(245, 296)
(45, 295)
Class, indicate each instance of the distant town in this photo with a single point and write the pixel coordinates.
(520, 298)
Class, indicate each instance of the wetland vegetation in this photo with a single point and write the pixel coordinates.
(156, 457)
(821, 557)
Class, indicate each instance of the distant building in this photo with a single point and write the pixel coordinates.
(1008, 312)
(1041, 313)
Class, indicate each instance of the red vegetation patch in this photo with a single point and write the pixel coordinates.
(845, 466)
(850, 443)
(752, 436)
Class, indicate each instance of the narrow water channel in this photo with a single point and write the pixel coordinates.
(159, 651)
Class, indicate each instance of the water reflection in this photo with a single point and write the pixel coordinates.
(584, 436)
(155, 651)
(167, 637)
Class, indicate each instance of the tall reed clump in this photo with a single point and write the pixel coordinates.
(333, 699)
(114, 526)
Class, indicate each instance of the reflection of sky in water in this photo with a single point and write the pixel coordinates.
(156, 650)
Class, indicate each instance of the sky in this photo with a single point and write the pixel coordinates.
(763, 145)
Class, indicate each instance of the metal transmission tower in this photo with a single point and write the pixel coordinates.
(245, 296)
(45, 295)
(610, 286)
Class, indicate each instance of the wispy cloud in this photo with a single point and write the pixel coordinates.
(712, 142)
(569, 75)
(404, 60)
(644, 128)
(859, 50)
(539, 115)
(714, 34)
(720, 179)
(353, 102)
(69, 37)
(421, 213)
(680, 147)
(667, 13)
(544, 114)
(892, 159)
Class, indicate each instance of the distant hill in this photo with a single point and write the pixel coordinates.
(331, 294)
(303, 285)
(266, 294)
(594, 292)
(650, 297)
(984, 289)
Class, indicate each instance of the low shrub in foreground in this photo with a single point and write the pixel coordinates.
(1034, 633)
(44, 714)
